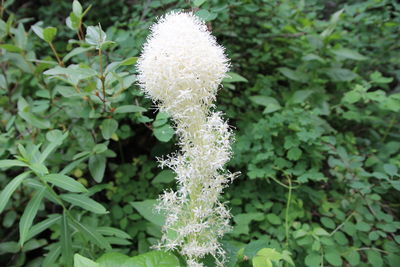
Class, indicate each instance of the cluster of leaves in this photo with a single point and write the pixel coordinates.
(315, 110)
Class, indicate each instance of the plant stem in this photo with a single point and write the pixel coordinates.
(2, 9)
(102, 79)
(289, 199)
(56, 54)
(341, 225)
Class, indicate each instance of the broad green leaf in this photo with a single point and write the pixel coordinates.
(97, 167)
(164, 133)
(38, 31)
(294, 153)
(260, 261)
(64, 182)
(29, 214)
(43, 225)
(165, 176)
(113, 259)
(11, 48)
(320, 232)
(108, 127)
(146, 208)
(84, 202)
(129, 109)
(77, 8)
(333, 257)
(353, 257)
(352, 97)
(129, 61)
(274, 219)
(390, 169)
(76, 51)
(25, 113)
(93, 235)
(300, 96)
(49, 33)
(80, 261)
(270, 253)
(7, 163)
(340, 75)
(348, 53)
(232, 77)
(153, 259)
(205, 15)
(270, 103)
(294, 75)
(10, 188)
(73, 73)
(313, 260)
(374, 258)
(198, 2)
(95, 36)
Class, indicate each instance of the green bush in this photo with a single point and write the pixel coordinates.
(315, 110)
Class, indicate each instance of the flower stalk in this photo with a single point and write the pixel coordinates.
(180, 69)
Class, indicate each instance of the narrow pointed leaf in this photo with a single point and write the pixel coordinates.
(30, 214)
(66, 242)
(84, 202)
(64, 182)
(10, 188)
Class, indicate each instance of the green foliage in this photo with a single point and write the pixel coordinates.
(313, 95)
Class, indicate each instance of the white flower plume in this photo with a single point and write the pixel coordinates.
(181, 68)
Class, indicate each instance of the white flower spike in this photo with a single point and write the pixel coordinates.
(181, 68)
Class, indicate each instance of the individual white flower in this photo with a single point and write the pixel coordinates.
(181, 68)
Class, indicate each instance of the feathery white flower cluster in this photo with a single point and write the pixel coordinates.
(180, 68)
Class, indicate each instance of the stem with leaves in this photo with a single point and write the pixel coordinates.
(102, 79)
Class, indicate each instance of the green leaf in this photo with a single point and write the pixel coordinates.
(66, 241)
(147, 210)
(294, 75)
(274, 219)
(270, 103)
(164, 133)
(374, 258)
(129, 109)
(165, 176)
(390, 169)
(108, 127)
(113, 259)
(80, 261)
(65, 182)
(340, 75)
(9, 247)
(313, 260)
(363, 226)
(6, 163)
(25, 113)
(153, 259)
(29, 214)
(353, 257)
(93, 235)
(294, 153)
(352, 97)
(198, 3)
(10, 188)
(73, 73)
(105, 230)
(97, 167)
(320, 232)
(129, 61)
(328, 222)
(38, 31)
(232, 77)
(377, 77)
(348, 53)
(76, 51)
(333, 257)
(300, 96)
(84, 202)
(43, 225)
(11, 48)
(205, 15)
(77, 8)
(95, 36)
(259, 261)
(49, 33)
(51, 257)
